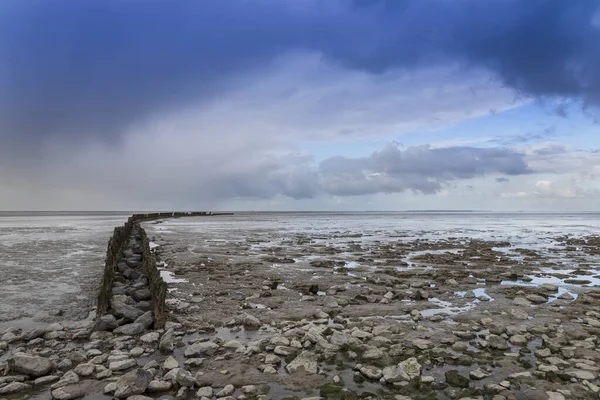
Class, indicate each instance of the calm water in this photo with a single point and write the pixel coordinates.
(49, 263)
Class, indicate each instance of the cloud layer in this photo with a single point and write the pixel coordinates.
(93, 68)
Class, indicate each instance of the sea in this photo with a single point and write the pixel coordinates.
(51, 263)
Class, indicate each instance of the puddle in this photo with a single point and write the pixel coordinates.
(479, 292)
(169, 277)
(445, 307)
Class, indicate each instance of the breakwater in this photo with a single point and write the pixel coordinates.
(131, 284)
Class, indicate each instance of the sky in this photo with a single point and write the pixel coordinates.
(306, 105)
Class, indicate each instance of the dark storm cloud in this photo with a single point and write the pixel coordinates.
(71, 67)
(419, 168)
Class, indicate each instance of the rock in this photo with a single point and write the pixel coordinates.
(227, 391)
(251, 323)
(159, 386)
(194, 362)
(14, 387)
(372, 354)
(330, 302)
(142, 294)
(122, 307)
(136, 352)
(46, 380)
(205, 391)
(496, 342)
(421, 344)
(394, 374)
(548, 287)
(566, 296)
(519, 314)
(536, 298)
(199, 349)
(33, 366)
(307, 360)
(339, 338)
(320, 314)
(581, 374)
(105, 323)
(410, 367)
(85, 369)
(521, 301)
(139, 397)
(170, 363)
(69, 378)
(249, 390)
(35, 333)
(130, 329)
(122, 365)
(269, 370)
(150, 337)
(74, 391)
(519, 340)
(184, 378)
(478, 374)
(166, 344)
(453, 378)
(371, 372)
(146, 320)
(272, 359)
(134, 382)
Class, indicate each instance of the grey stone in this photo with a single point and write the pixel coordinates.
(184, 378)
(150, 337)
(69, 378)
(227, 391)
(14, 387)
(122, 365)
(142, 294)
(453, 378)
(76, 390)
(496, 342)
(105, 323)
(130, 329)
(29, 365)
(85, 369)
(536, 298)
(199, 349)
(170, 363)
(251, 322)
(159, 386)
(371, 372)
(205, 391)
(122, 306)
(46, 380)
(307, 360)
(146, 319)
(411, 367)
(521, 301)
(166, 344)
(134, 382)
(394, 374)
(36, 333)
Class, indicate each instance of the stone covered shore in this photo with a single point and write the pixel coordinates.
(269, 317)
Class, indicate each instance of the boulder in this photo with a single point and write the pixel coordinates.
(166, 344)
(199, 349)
(146, 319)
(105, 323)
(122, 306)
(251, 322)
(307, 360)
(134, 382)
(453, 378)
(33, 366)
(130, 329)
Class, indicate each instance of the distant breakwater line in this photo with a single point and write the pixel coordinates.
(131, 263)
